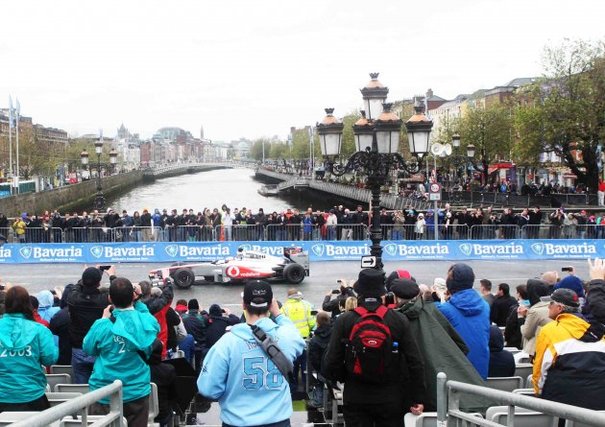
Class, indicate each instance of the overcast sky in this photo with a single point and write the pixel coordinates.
(254, 68)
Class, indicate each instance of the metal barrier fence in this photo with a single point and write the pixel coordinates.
(449, 413)
(79, 405)
(478, 198)
(299, 232)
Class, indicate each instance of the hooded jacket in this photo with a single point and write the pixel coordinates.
(568, 369)
(45, 308)
(571, 282)
(117, 346)
(537, 314)
(439, 352)
(469, 315)
(318, 345)
(501, 362)
(238, 373)
(24, 346)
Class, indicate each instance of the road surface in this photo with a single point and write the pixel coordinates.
(322, 279)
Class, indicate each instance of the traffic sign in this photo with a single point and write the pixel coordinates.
(368, 261)
(435, 192)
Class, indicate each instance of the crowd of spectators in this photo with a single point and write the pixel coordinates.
(125, 331)
(335, 223)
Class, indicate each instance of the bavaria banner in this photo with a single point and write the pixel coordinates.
(448, 250)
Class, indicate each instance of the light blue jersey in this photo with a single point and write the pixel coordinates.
(238, 373)
(117, 346)
(24, 346)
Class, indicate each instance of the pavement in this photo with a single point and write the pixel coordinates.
(37, 277)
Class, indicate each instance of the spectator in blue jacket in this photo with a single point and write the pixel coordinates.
(239, 374)
(572, 282)
(24, 346)
(122, 341)
(469, 315)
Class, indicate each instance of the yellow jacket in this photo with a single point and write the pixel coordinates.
(19, 226)
(299, 312)
(557, 339)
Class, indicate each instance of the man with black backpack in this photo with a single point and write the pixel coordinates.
(374, 353)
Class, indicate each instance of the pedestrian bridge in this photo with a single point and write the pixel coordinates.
(364, 195)
(165, 171)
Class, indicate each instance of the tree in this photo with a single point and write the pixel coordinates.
(490, 131)
(279, 150)
(565, 111)
(256, 152)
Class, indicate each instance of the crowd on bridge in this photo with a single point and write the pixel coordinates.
(557, 324)
(333, 223)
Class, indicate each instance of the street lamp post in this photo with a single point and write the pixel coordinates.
(99, 202)
(377, 144)
(470, 154)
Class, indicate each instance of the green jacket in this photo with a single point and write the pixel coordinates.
(24, 346)
(117, 346)
(439, 352)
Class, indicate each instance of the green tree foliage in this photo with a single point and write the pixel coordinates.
(490, 131)
(256, 151)
(279, 150)
(565, 111)
(300, 143)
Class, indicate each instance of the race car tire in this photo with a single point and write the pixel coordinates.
(294, 273)
(184, 278)
(175, 264)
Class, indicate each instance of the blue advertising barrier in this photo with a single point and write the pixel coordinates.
(448, 250)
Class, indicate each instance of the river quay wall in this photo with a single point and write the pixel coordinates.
(70, 197)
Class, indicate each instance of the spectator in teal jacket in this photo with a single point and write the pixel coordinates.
(24, 346)
(122, 340)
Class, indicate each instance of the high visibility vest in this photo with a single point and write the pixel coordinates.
(299, 312)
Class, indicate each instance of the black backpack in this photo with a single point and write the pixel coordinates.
(370, 351)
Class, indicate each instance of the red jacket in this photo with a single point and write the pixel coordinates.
(163, 334)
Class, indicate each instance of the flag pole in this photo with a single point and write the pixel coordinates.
(17, 129)
(10, 139)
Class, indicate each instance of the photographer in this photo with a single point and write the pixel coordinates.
(86, 303)
(556, 220)
(340, 296)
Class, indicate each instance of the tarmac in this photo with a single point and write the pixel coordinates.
(323, 277)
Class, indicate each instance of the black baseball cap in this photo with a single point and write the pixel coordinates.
(258, 293)
(566, 297)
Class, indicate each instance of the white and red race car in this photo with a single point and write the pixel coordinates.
(292, 267)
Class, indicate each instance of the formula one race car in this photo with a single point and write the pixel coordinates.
(292, 267)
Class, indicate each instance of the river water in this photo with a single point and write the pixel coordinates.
(212, 189)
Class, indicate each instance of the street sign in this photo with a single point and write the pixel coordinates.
(435, 192)
(368, 261)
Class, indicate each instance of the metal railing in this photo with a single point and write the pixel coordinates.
(449, 394)
(300, 232)
(80, 405)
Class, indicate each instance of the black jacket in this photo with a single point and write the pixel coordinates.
(216, 327)
(500, 309)
(86, 305)
(196, 324)
(405, 387)
(501, 362)
(512, 330)
(318, 345)
(59, 326)
(164, 376)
